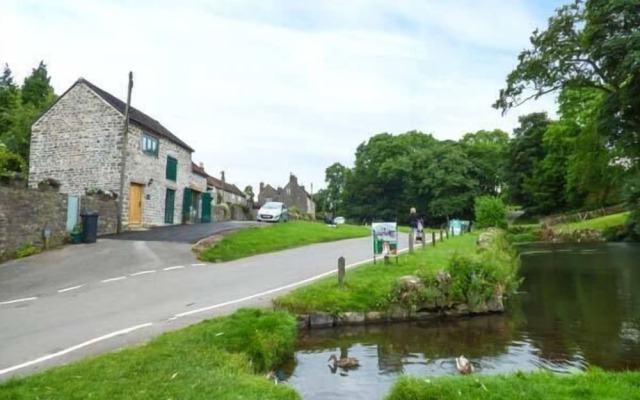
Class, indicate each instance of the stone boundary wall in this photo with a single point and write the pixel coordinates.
(320, 320)
(224, 212)
(25, 213)
(107, 210)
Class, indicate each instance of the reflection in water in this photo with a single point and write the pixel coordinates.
(579, 306)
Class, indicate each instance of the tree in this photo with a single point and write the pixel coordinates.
(524, 153)
(19, 107)
(8, 99)
(36, 89)
(335, 178)
(490, 212)
(593, 44)
(10, 162)
(444, 179)
(320, 198)
(487, 150)
(248, 191)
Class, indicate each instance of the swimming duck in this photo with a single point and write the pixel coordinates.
(464, 366)
(345, 363)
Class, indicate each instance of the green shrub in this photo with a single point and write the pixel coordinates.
(26, 250)
(490, 212)
(475, 278)
(294, 210)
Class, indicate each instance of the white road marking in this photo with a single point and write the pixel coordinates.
(18, 300)
(70, 288)
(114, 279)
(150, 271)
(172, 268)
(198, 265)
(291, 285)
(74, 348)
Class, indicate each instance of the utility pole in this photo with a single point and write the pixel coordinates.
(123, 161)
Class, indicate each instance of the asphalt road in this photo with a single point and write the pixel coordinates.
(86, 299)
(181, 233)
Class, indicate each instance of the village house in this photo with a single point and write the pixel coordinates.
(293, 195)
(224, 192)
(78, 142)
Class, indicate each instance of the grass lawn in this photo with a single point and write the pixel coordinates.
(534, 386)
(281, 236)
(597, 223)
(215, 359)
(367, 287)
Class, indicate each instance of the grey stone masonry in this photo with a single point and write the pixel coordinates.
(142, 168)
(77, 143)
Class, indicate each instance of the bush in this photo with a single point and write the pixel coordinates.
(476, 278)
(26, 250)
(490, 212)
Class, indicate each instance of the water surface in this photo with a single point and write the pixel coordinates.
(579, 305)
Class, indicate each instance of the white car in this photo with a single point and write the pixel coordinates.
(273, 211)
(339, 220)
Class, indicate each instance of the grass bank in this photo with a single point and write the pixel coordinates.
(601, 223)
(368, 287)
(592, 385)
(282, 236)
(533, 233)
(222, 358)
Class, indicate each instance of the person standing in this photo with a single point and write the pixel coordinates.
(413, 222)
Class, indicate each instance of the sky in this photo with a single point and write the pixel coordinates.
(265, 88)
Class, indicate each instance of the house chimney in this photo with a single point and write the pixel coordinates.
(222, 176)
(261, 186)
(292, 178)
(311, 189)
(201, 165)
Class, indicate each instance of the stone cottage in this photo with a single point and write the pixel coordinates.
(225, 192)
(293, 194)
(78, 142)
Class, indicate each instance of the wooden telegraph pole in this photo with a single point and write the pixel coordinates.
(123, 161)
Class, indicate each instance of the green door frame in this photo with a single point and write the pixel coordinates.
(169, 206)
(206, 207)
(186, 206)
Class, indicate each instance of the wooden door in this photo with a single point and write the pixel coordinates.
(135, 204)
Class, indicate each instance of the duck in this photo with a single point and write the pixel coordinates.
(345, 363)
(464, 366)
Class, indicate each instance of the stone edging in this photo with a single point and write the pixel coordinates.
(321, 320)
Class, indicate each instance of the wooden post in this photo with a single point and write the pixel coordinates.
(441, 235)
(411, 239)
(341, 271)
(433, 238)
(424, 240)
(123, 160)
(447, 233)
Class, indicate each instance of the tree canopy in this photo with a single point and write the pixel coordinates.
(19, 107)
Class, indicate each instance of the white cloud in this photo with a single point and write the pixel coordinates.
(264, 88)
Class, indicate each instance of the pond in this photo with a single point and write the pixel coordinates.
(579, 305)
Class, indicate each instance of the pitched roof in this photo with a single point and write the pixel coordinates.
(227, 187)
(195, 168)
(136, 115)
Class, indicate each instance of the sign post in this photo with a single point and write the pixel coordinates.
(385, 240)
